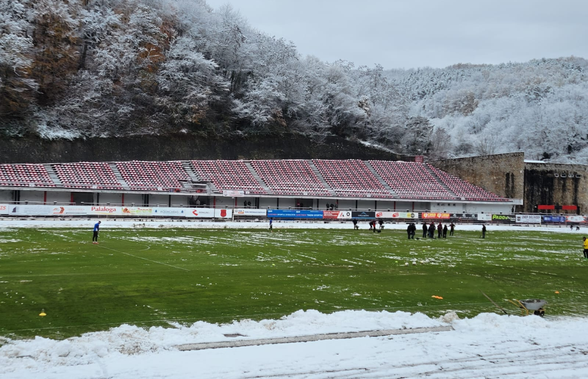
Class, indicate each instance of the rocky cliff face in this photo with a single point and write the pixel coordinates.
(183, 147)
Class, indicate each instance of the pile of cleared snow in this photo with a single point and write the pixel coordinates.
(131, 340)
(517, 347)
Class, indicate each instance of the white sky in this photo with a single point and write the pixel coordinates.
(420, 33)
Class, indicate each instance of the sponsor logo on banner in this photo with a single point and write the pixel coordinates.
(137, 211)
(331, 215)
(104, 210)
(250, 212)
(201, 213)
(287, 213)
(435, 215)
(575, 218)
(337, 215)
(223, 213)
(397, 215)
(70, 210)
(33, 210)
(529, 219)
(554, 219)
(169, 212)
(363, 215)
(484, 217)
(3, 209)
(502, 218)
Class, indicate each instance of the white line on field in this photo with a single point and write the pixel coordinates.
(148, 260)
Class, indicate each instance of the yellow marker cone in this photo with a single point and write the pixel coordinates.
(42, 314)
(556, 291)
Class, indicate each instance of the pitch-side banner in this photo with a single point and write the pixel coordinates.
(508, 218)
(76, 210)
(209, 213)
(575, 218)
(105, 210)
(363, 215)
(435, 215)
(288, 213)
(397, 215)
(529, 219)
(251, 212)
(554, 218)
(337, 215)
(70, 210)
(170, 212)
(484, 217)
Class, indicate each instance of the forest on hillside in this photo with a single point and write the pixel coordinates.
(109, 68)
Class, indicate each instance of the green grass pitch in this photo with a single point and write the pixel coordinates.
(157, 277)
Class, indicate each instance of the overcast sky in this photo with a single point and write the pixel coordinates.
(420, 33)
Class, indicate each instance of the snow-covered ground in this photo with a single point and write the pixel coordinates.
(486, 346)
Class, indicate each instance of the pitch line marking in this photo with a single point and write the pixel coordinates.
(148, 260)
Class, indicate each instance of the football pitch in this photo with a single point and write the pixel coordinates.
(159, 277)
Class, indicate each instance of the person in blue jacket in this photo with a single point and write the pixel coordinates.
(96, 230)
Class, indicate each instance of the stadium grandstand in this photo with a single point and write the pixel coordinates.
(241, 186)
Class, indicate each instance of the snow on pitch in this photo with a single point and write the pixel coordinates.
(488, 345)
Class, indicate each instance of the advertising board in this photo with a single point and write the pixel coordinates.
(170, 212)
(295, 214)
(4, 209)
(200, 213)
(223, 213)
(575, 219)
(484, 217)
(529, 219)
(554, 219)
(337, 215)
(70, 210)
(250, 212)
(412, 215)
(498, 217)
(105, 210)
(435, 215)
(363, 215)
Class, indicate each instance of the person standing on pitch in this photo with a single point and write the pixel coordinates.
(585, 248)
(271, 222)
(96, 230)
(425, 230)
(483, 231)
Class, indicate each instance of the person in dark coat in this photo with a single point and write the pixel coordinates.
(411, 230)
(483, 231)
(439, 230)
(424, 230)
(445, 231)
(451, 228)
(432, 230)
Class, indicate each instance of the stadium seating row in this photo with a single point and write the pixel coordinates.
(292, 177)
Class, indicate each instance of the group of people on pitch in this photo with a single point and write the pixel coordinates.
(429, 231)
